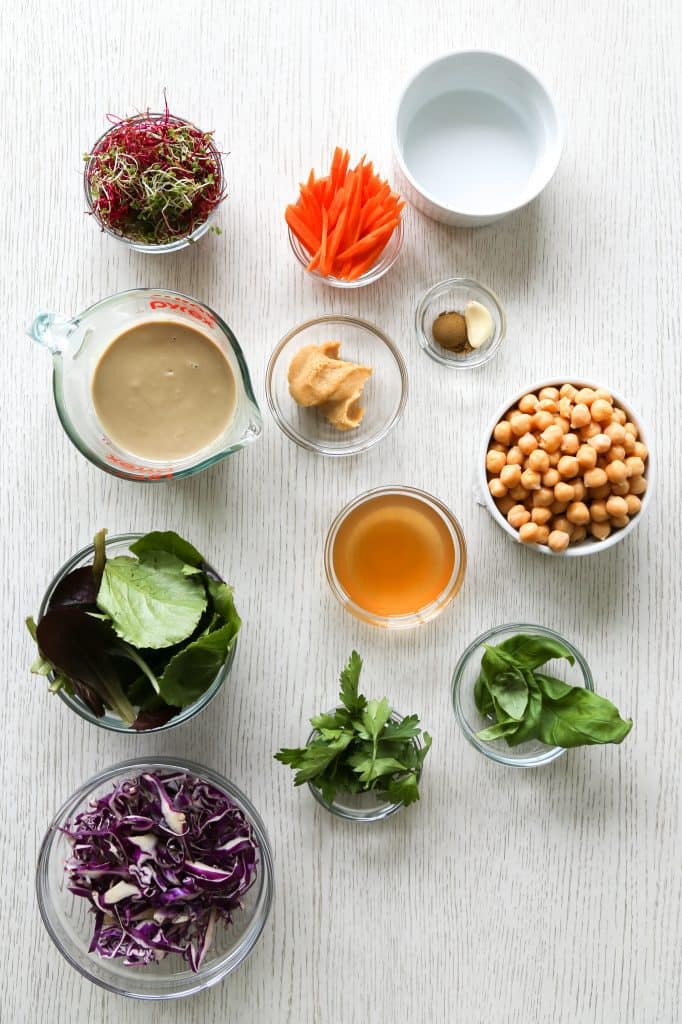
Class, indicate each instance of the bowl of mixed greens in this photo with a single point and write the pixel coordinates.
(137, 632)
(155, 878)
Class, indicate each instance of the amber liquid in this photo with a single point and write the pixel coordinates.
(393, 555)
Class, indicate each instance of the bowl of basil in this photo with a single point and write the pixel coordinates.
(136, 632)
(523, 695)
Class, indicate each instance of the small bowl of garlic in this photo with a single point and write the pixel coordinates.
(460, 323)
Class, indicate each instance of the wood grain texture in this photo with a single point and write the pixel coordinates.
(505, 896)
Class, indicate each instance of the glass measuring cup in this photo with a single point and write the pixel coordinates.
(76, 345)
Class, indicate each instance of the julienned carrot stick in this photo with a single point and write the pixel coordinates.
(345, 218)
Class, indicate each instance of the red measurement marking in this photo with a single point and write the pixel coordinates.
(184, 307)
(143, 471)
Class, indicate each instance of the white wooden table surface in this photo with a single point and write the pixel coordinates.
(505, 895)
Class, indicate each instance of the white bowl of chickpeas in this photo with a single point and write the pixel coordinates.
(566, 468)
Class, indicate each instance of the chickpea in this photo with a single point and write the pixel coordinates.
(538, 461)
(565, 407)
(595, 478)
(497, 447)
(517, 516)
(497, 488)
(510, 476)
(605, 395)
(519, 493)
(551, 477)
(600, 531)
(528, 403)
(520, 423)
(616, 471)
(558, 540)
(549, 392)
(641, 451)
(557, 508)
(503, 433)
(570, 444)
(579, 490)
(515, 456)
(578, 534)
(616, 451)
(528, 533)
(542, 420)
(578, 513)
(568, 467)
(585, 396)
(531, 480)
(540, 515)
(632, 428)
(600, 493)
(637, 485)
(548, 405)
(542, 535)
(619, 416)
(621, 489)
(616, 506)
(619, 521)
(505, 504)
(598, 513)
(634, 465)
(509, 413)
(586, 456)
(580, 415)
(629, 443)
(633, 503)
(601, 410)
(585, 433)
(563, 492)
(601, 443)
(494, 461)
(554, 458)
(563, 524)
(550, 439)
(616, 431)
(543, 498)
(563, 424)
(527, 443)
(568, 391)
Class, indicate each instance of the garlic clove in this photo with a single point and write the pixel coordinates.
(479, 324)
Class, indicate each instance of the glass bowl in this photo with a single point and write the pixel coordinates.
(527, 755)
(383, 397)
(449, 296)
(120, 545)
(429, 611)
(370, 806)
(69, 923)
(382, 266)
(167, 247)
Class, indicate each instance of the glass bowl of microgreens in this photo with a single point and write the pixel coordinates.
(362, 761)
(137, 632)
(154, 181)
(523, 695)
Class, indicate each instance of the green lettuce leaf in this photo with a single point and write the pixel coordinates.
(169, 542)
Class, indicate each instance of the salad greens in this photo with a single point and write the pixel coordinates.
(143, 636)
(526, 704)
(361, 746)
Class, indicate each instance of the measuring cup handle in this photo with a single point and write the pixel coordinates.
(51, 330)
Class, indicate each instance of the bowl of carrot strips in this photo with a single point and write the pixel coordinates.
(346, 228)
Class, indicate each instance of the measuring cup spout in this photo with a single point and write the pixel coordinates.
(51, 330)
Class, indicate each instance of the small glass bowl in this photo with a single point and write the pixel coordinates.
(363, 807)
(527, 755)
(383, 398)
(120, 545)
(450, 296)
(69, 922)
(382, 266)
(430, 611)
(167, 247)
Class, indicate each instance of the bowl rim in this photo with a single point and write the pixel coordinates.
(352, 448)
(449, 592)
(375, 272)
(586, 547)
(431, 350)
(543, 757)
(76, 705)
(138, 764)
(555, 149)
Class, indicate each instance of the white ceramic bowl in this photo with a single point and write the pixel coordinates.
(589, 546)
(477, 135)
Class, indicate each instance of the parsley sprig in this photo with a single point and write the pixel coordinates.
(361, 746)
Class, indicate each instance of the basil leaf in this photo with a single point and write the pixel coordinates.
(482, 698)
(169, 542)
(498, 731)
(581, 717)
(151, 605)
(510, 690)
(532, 651)
(528, 728)
(552, 687)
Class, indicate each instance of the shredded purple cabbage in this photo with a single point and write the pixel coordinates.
(162, 859)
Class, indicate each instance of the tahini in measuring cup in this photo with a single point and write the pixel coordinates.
(144, 342)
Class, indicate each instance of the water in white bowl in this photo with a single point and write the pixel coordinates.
(472, 152)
